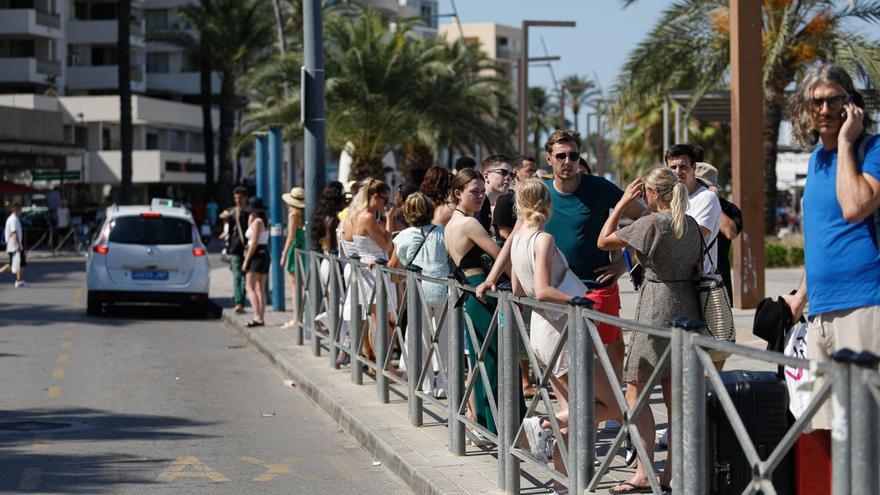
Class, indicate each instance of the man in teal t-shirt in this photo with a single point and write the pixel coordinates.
(842, 261)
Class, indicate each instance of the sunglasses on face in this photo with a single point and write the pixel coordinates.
(573, 156)
(834, 102)
(503, 172)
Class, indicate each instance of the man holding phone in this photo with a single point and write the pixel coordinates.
(842, 195)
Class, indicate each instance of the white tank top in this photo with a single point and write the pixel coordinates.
(264, 236)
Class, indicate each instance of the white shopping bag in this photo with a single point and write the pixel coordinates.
(16, 262)
(798, 380)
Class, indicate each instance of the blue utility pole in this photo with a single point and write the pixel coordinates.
(262, 158)
(276, 216)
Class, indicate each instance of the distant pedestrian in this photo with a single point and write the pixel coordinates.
(323, 228)
(206, 233)
(296, 239)
(504, 213)
(13, 235)
(435, 185)
(237, 220)
(498, 176)
(668, 244)
(212, 210)
(256, 259)
(842, 265)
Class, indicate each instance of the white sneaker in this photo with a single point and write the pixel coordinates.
(663, 443)
(537, 437)
(477, 439)
(20, 283)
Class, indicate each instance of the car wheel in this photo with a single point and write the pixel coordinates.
(200, 309)
(93, 306)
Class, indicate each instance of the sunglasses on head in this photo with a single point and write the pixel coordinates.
(503, 172)
(573, 156)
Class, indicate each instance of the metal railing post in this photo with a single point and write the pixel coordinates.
(381, 335)
(315, 277)
(298, 290)
(693, 400)
(413, 349)
(581, 443)
(508, 407)
(333, 311)
(864, 428)
(455, 370)
(841, 436)
(676, 446)
(354, 333)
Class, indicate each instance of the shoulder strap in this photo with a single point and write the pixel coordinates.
(706, 252)
(419, 249)
(237, 214)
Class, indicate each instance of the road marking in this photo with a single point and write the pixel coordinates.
(30, 478)
(343, 467)
(68, 333)
(67, 344)
(178, 469)
(272, 470)
(63, 357)
(54, 391)
(41, 444)
(78, 294)
(58, 374)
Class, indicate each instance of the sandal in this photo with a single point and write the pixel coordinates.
(254, 323)
(633, 489)
(288, 325)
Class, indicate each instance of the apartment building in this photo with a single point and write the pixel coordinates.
(499, 42)
(31, 45)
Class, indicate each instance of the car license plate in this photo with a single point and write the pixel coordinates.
(148, 275)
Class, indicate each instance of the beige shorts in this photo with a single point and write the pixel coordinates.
(856, 329)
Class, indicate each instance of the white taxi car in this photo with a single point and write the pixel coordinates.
(148, 254)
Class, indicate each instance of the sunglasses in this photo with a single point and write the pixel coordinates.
(573, 156)
(503, 172)
(834, 102)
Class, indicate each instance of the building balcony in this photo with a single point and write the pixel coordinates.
(187, 83)
(28, 70)
(30, 22)
(148, 166)
(103, 32)
(98, 77)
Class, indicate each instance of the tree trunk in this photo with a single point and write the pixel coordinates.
(207, 119)
(536, 142)
(228, 103)
(576, 110)
(123, 16)
(773, 106)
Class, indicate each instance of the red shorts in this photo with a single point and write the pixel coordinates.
(606, 300)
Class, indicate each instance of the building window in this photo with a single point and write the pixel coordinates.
(188, 63)
(158, 62)
(106, 143)
(19, 4)
(184, 167)
(156, 19)
(178, 140)
(196, 143)
(152, 138)
(16, 48)
(104, 55)
(103, 11)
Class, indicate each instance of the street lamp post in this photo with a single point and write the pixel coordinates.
(524, 72)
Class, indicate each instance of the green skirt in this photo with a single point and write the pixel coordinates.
(481, 316)
(299, 242)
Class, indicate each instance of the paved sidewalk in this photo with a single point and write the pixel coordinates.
(419, 456)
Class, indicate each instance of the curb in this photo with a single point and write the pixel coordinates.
(415, 477)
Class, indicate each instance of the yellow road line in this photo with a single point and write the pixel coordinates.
(54, 391)
(63, 357)
(58, 374)
(30, 478)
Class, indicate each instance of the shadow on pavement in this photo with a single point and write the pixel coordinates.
(28, 467)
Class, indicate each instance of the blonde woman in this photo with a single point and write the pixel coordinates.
(296, 239)
(541, 271)
(668, 245)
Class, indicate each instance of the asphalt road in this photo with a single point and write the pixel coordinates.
(149, 401)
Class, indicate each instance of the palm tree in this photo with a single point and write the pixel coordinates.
(689, 47)
(543, 112)
(238, 34)
(581, 91)
(123, 32)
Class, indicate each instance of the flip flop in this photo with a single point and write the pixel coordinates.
(635, 489)
(254, 323)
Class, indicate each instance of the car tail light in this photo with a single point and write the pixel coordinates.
(151, 214)
(100, 249)
(197, 251)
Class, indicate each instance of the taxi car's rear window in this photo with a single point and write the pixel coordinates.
(150, 230)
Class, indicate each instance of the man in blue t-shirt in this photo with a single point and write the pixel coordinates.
(842, 261)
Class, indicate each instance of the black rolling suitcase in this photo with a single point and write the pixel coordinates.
(761, 399)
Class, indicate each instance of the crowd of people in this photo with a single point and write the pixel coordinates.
(561, 240)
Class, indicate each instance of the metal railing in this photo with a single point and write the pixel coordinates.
(354, 298)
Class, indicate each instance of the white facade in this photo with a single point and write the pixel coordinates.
(499, 42)
(31, 45)
(167, 139)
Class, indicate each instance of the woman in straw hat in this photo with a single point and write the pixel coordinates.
(296, 239)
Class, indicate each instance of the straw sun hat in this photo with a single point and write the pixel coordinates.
(296, 197)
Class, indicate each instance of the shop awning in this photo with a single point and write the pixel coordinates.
(7, 188)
